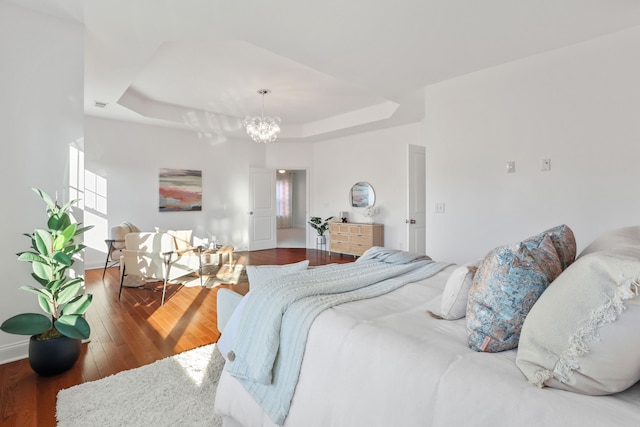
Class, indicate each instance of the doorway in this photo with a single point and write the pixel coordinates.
(291, 208)
(416, 207)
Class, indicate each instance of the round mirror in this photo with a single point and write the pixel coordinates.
(362, 196)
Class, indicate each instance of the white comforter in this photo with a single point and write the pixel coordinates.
(386, 362)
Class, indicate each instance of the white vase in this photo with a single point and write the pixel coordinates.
(370, 219)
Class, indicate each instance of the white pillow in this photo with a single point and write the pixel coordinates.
(582, 332)
(259, 275)
(225, 343)
(456, 291)
(623, 241)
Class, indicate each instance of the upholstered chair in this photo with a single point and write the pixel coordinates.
(116, 243)
(155, 256)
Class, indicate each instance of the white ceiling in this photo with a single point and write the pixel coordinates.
(335, 67)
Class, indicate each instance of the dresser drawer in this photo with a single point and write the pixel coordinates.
(343, 228)
(362, 240)
(354, 238)
(336, 237)
(341, 247)
(365, 231)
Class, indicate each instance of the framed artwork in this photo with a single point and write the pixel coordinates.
(180, 190)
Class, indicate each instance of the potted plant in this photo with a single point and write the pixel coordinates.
(370, 213)
(320, 225)
(56, 336)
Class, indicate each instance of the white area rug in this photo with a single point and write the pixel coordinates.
(176, 391)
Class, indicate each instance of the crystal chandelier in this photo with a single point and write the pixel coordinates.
(263, 129)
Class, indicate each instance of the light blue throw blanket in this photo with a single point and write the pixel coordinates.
(269, 346)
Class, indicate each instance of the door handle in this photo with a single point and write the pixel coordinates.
(250, 213)
(410, 221)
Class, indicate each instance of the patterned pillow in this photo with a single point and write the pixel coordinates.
(507, 284)
(565, 243)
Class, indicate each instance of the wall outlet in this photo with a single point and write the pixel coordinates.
(545, 165)
(439, 208)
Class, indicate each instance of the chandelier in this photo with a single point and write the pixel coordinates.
(263, 129)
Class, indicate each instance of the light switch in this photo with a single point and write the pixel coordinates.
(511, 167)
(439, 207)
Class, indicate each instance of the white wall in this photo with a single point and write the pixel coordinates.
(579, 106)
(41, 111)
(379, 158)
(128, 156)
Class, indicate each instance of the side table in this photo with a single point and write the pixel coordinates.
(220, 252)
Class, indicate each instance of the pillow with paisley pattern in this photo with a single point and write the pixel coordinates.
(508, 282)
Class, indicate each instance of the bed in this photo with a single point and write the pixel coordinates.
(397, 359)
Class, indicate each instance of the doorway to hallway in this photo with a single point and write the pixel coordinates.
(291, 208)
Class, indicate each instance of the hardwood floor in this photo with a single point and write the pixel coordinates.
(129, 333)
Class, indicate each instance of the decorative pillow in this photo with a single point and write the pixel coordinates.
(507, 284)
(456, 292)
(582, 334)
(225, 343)
(624, 241)
(259, 275)
(565, 243)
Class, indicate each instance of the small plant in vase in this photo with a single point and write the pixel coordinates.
(370, 213)
(320, 225)
(55, 336)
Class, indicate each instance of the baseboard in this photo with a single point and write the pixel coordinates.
(18, 351)
(93, 266)
(12, 352)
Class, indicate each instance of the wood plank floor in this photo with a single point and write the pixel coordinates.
(129, 333)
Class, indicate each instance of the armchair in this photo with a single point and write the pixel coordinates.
(156, 256)
(115, 243)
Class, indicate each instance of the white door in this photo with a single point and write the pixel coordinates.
(417, 204)
(262, 209)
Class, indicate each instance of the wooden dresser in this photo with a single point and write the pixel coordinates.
(354, 238)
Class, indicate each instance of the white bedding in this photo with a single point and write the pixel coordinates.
(386, 362)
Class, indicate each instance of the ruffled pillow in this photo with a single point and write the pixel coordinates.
(583, 333)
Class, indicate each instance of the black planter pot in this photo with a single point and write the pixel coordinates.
(53, 356)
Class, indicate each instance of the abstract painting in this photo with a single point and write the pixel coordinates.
(180, 190)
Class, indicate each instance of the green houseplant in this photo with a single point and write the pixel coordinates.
(61, 297)
(320, 225)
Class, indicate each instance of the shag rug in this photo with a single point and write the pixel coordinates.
(176, 391)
